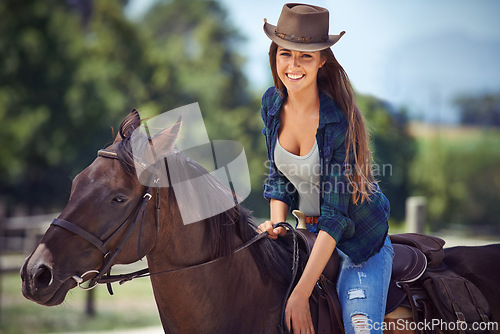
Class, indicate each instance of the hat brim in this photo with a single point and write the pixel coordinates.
(270, 29)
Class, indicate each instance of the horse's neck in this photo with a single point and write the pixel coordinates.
(211, 298)
(177, 245)
(188, 299)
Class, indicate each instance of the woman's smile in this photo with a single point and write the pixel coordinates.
(293, 76)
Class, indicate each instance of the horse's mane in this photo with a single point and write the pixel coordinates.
(271, 257)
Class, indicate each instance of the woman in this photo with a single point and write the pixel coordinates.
(320, 163)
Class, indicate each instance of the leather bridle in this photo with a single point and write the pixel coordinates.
(102, 245)
(103, 275)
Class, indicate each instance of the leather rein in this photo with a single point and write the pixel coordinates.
(103, 275)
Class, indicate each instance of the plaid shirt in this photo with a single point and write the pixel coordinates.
(359, 230)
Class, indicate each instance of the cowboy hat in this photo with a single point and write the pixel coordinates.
(302, 28)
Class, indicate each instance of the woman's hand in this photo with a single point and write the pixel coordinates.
(267, 226)
(298, 314)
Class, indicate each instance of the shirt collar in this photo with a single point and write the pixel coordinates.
(278, 102)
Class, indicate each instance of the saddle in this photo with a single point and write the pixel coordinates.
(447, 301)
(419, 281)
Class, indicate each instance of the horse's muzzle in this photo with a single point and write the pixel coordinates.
(39, 283)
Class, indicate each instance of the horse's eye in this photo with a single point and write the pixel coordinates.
(119, 199)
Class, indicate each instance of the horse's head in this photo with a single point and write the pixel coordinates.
(105, 201)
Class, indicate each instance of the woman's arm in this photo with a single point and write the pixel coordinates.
(297, 311)
(279, 211)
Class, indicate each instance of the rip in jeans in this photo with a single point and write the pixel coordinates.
(359, 320)
(356, 294)
(360, 323)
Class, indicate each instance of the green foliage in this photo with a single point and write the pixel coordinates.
(65, 79)
(62, 85)
(460, 178)
(203, 47)
(393, 150)
(37, 59)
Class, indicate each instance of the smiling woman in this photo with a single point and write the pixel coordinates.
(311, 117)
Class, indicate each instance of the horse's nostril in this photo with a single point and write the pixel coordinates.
(43, 277)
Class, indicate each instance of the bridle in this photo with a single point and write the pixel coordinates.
(102, 245)
(103, 275)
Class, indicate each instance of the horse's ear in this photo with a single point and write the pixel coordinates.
(118, 138)
(165, 139)
(129, 124)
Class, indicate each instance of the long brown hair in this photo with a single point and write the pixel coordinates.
(334, 82)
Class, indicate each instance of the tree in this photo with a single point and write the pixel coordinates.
(203, 47)
(38, 61)
(64, 80)
(70, 72)
(393, 150)
(482, 110)
(460, 178)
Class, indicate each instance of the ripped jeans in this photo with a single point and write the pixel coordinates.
(362, 290)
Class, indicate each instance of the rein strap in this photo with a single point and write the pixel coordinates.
(123, 278)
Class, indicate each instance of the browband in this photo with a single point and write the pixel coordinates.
(107, 154)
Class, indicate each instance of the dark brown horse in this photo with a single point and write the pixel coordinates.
(481, 266)
(204, 278)
(242, 293)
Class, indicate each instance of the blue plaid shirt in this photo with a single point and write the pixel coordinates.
(359, 230)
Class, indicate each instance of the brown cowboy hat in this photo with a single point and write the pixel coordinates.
(302, 28)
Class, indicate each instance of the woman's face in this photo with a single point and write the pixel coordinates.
(298, 70)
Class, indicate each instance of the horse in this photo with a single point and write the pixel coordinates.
(240, 293)
(217, 275)
(477, 264)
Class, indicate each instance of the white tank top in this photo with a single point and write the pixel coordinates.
(303, 172)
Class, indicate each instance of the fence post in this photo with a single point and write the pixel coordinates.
(90, 303)
(415, 214)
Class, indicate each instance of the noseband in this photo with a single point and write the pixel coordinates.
(102, 245)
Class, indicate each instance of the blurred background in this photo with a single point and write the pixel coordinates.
(426, 75)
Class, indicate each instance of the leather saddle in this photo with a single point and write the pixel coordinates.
(420, 281)
(409, 264)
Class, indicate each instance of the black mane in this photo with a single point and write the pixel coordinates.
(271, 257)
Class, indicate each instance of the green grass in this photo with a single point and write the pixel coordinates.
(132, 306)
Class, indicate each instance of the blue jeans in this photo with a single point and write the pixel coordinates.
(362, 290)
